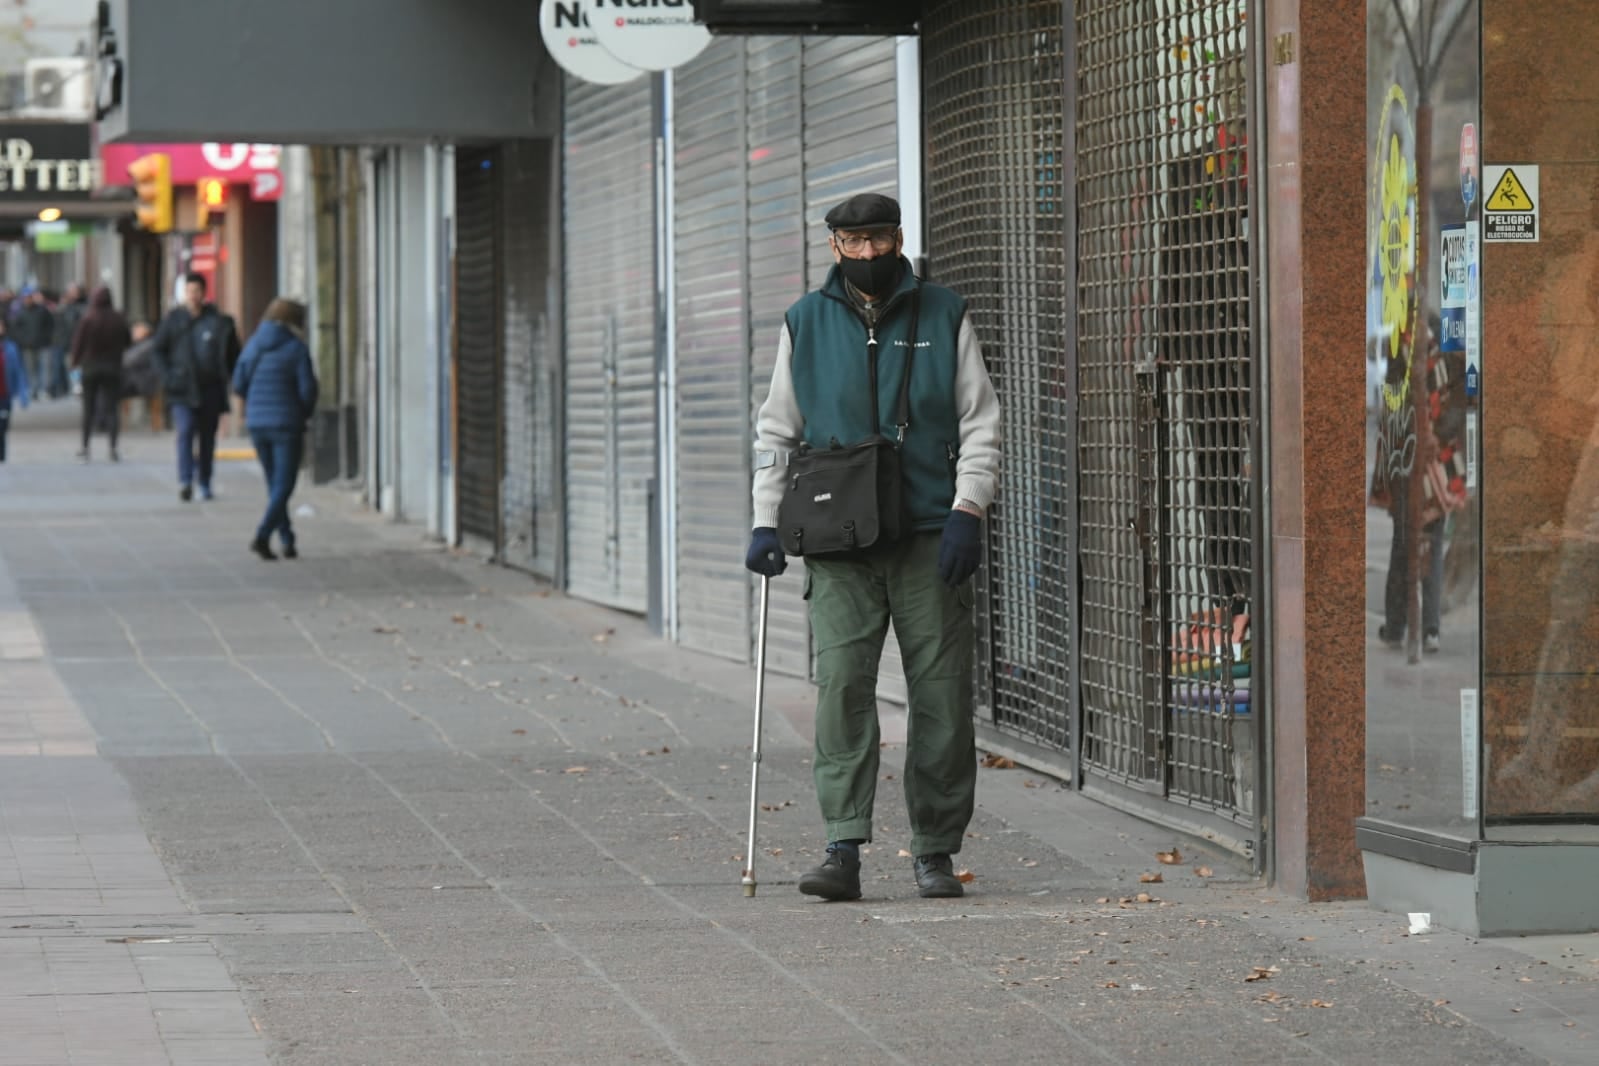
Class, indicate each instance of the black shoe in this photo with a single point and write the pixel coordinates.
(115, 457)
(263, 549)
(186, 493)
(838, 878)
(290, 552)
(935, 877)
(1391, 637)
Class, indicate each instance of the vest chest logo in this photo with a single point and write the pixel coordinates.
(907, 344)
(822, 497)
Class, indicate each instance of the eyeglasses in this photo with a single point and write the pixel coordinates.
(857, 242)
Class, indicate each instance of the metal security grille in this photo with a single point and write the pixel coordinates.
(477, 345)
(713, 455)
(611, 339)
(998, 210)
(529, 502)
(1165, 378)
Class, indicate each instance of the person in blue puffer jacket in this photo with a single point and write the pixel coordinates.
(277, 381)
(14, 385)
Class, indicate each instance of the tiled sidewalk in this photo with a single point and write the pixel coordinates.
(99, 961)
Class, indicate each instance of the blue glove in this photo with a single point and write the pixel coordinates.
(961, 549)
(765, 556)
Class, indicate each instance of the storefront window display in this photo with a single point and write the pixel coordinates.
(1423, 203)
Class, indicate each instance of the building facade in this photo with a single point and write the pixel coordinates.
(551, 330)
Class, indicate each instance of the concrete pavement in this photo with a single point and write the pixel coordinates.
(390, 805)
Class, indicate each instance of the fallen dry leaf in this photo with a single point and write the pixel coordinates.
(1103, 899)
(1320, 1003)
(458, 619)
(1262, 973)
(1307, 938)
(1170, 858)
(904, 854)
(1150, 879)
(1204, 871)
(965, 877)
(519, 732)
(1029, 783)
(602, 637)
(1029, 863)
(1112, 984)
(998, 762)
(576, 770)
(1145, 897)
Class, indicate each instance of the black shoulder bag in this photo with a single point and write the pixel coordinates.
(844, 499)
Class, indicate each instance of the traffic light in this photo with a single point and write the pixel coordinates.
(152, 184)
(210, 194)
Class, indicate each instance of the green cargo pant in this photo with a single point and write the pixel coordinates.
(852, 602)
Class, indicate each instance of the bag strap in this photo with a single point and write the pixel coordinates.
(902, 408)
(902, 412)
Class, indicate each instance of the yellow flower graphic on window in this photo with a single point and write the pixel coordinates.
(1394, 244)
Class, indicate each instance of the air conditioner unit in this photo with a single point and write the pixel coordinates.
(60, 88)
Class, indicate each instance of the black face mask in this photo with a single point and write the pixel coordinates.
(874, 277)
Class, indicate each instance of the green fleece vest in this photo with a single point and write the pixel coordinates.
(831, 382)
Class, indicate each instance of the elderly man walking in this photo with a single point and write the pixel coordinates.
(879, 368)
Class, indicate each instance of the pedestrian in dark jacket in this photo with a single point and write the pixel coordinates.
(97, 346)
(33, 328)
(277, 381)
(196, 349)
(69, 312)
(13, 384)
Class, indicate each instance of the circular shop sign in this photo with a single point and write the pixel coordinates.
(650, 34)
(571, 43)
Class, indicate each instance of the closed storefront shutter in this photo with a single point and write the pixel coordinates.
(851, 146)
(713, 454)
(529, 493)
(477, 345)
(778, 239)
(610, 365)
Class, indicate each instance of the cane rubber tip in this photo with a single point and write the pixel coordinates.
(749, 891)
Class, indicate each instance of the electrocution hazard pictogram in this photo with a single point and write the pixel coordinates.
(1511, 211)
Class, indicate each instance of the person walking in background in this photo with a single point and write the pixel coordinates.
(69, 312)
(97, 346)
(277, 382)
(33, 328)
(196, 349)
(140, 378)
(13, 384)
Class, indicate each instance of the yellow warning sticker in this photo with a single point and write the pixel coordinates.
(1510, 194)
(1511, 211)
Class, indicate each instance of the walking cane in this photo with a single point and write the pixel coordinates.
(755, 751)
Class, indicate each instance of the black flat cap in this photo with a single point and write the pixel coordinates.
(867, 210)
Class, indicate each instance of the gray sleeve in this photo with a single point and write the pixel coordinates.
(779, 428)
(977, 468)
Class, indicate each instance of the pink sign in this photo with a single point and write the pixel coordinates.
(266, 185)
(235, 163)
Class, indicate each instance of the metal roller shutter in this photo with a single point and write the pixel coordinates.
(529, 487)
(610, 370)
(713, 455)
(477, 344)
(851, 145)
(779, 239)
